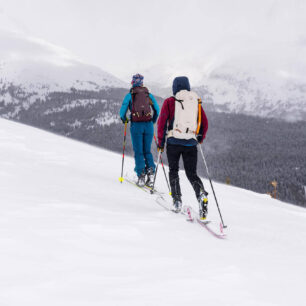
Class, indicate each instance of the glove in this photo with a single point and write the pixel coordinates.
(200, 139)
(124, 120)
(161, 149)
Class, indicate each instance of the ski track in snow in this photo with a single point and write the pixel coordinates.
(71, 234)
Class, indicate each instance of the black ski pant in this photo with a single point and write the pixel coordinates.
(190, 159)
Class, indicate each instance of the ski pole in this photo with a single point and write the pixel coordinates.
(124, 141)
(161, 160)
(158, 160)
(224, 226)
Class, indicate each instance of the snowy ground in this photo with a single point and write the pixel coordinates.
(71, 234)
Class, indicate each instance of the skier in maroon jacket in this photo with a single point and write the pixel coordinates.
(181, 130)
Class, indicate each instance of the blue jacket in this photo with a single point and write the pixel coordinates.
(127, 104)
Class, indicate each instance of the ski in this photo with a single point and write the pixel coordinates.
(145, 188)
(162, 202)
(206, 225)
(187, 210)
(133, 183)
(189, 214)
(153, 191)
(159, 199)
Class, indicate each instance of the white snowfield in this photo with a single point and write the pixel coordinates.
(71, 235)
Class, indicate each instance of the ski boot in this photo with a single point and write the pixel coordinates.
(141, 179)
(177, 204)
(150, 177)
(203, 203)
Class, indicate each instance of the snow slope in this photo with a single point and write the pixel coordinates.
(71, 234)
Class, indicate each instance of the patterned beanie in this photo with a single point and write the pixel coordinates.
(137, 80)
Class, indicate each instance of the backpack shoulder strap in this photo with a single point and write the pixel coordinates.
(180, 101)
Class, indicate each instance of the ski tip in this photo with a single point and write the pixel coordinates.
(121, 179)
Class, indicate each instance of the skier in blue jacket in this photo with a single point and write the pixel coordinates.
(141, 103)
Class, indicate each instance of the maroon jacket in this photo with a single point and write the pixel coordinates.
(166, 119)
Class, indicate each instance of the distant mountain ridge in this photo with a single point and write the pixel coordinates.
(39, 68)
(36, 75)
(27, 90)
(261, 91)
(246, 94)
(44, 77)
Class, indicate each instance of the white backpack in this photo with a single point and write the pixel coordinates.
(185, 123)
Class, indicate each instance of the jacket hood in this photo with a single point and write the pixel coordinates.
(180, 83)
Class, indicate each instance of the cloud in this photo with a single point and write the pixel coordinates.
(197, 36)
(18, 47)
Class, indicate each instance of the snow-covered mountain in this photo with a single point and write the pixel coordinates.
(238, 91)
(44, 77)
(37, 66)
(71, 234)
(273, 87)
(35, 75)
(253, 86)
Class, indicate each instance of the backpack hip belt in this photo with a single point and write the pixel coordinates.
(171, 132)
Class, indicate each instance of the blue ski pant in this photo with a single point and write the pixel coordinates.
(142, 135)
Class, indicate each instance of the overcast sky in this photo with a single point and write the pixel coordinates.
(123, 37)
